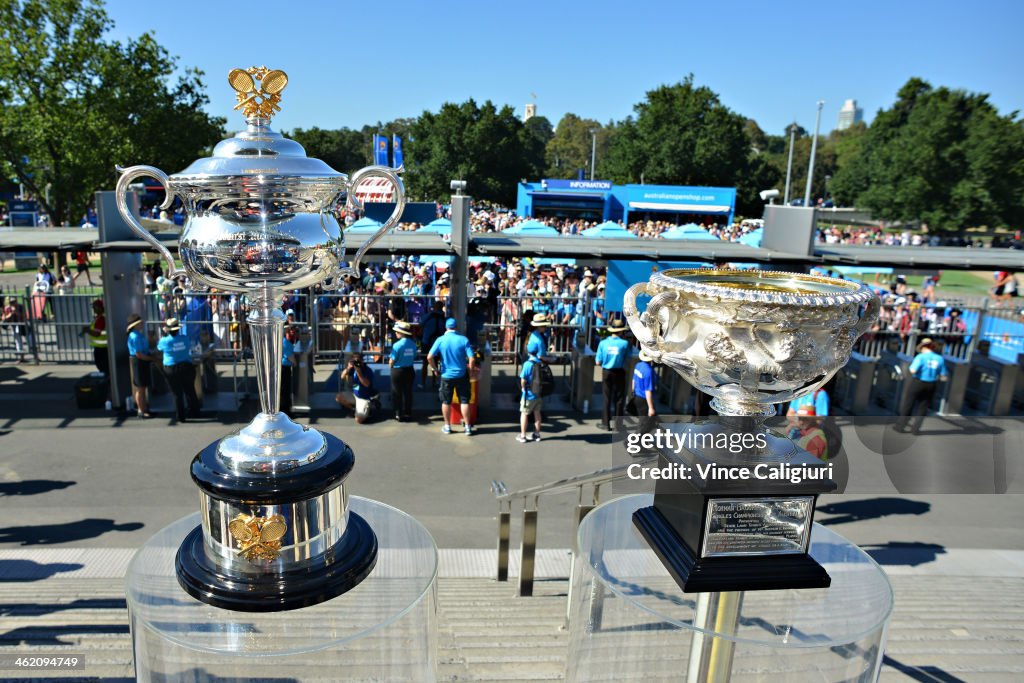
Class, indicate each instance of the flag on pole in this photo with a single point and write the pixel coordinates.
(380, 150)
(396, 146)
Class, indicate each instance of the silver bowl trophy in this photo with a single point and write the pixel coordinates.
(751, 339)
(276, 531)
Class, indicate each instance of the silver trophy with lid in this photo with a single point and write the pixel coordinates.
(262, 218)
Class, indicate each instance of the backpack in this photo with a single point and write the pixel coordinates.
(547, 380)
(536, 383)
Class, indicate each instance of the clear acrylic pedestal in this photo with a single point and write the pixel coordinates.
(629, 621)
(384, 630)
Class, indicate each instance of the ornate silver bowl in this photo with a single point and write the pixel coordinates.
(750, 338)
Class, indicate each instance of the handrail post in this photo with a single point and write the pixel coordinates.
(579, 513)
(504, 526)
(528, 550)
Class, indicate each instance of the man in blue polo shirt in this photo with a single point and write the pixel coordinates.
(456, 358)
(181, 374)
(643, 389)
(612, 354)
(401, 359)
(927, 368)
(537, 344)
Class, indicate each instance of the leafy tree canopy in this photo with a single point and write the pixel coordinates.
(76, 104)
(945, 157)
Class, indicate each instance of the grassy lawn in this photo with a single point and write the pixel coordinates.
(952, 284)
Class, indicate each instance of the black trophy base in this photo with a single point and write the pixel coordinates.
(354, 558)
(717, 574)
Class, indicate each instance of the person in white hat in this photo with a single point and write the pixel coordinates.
(401, 360)
(643, 389)
(178, 368)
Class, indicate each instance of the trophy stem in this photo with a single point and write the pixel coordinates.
(266, 325)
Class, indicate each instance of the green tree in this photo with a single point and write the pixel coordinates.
(945, 157)
(76, 104)
(344, 150)
(682, 135)
(481, 144)
(571, 146)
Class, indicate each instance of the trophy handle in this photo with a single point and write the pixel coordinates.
(357, 177)
(874, 306)
(121, 198)
(645, 326)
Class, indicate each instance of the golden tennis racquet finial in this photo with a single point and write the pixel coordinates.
(258, 102)
(258, 537)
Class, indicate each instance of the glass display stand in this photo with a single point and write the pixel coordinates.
(629, 621)
(382, 630)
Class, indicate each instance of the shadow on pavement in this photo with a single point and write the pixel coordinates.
(29, 609)
(925, 674)
(51, 635)
(33, 487)
(27, 570)
(874, 508)
(48, 534)
(906, 554)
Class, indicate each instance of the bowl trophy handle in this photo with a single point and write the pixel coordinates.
(646, 326)
(358, 177)
(121, 197)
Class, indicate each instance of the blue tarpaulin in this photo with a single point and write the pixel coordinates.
(442, 226)
(532, 229)
(687, 233)
(608, 229)
(364, 225)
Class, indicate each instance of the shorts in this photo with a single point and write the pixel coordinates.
(454, 385)
(140, 372)
(362, 408)
(528, 405)
(83, 267)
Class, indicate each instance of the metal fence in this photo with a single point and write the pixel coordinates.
(45, 327)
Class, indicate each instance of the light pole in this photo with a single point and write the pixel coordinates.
(814, 148)
(593, 151)
(789, 164)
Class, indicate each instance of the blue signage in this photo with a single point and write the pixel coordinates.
(707, 199)
(562, 184)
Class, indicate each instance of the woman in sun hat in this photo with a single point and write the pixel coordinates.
(401, 360)
(139, 358)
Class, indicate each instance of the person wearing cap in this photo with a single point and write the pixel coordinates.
(289, 359)
(809, 435)
(612, 353)
(96, 332)
(401, 360)
(181, 374)
(643, 390)
(140, 355)
(927, 368)
(456, 359)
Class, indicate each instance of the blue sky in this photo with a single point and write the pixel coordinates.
(353, 63)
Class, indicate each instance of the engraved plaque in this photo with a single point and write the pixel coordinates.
(757, 526)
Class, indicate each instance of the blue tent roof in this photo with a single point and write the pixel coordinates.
(364, 225)
(532, 228)
(753, 238)
(441, 226)
(609, 229)
(683, 233)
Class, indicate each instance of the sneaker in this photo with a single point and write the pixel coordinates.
(521, 438)
(468, 431)
(446, 429)
(536, 436)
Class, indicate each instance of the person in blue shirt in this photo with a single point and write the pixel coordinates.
(139, 358)
(530, 400)
(537, 343)
(401, 360)
(612, 354)
(817, 400)
(643, 391)
(360, 399)
(289, 359)
(927, 368)
(456, 360)
(181, 374)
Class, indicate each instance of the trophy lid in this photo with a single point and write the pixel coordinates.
(258, 150)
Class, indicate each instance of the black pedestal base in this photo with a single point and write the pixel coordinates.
(353, 559)
(714, 574)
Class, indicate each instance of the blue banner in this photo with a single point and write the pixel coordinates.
(380, 150)
(562, 184)
(396, 145)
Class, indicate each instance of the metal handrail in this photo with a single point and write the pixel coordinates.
(530, 496)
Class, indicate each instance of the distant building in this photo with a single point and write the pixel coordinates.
(531, 111)
(850, 114)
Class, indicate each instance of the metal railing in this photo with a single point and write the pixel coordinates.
(530, 497)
